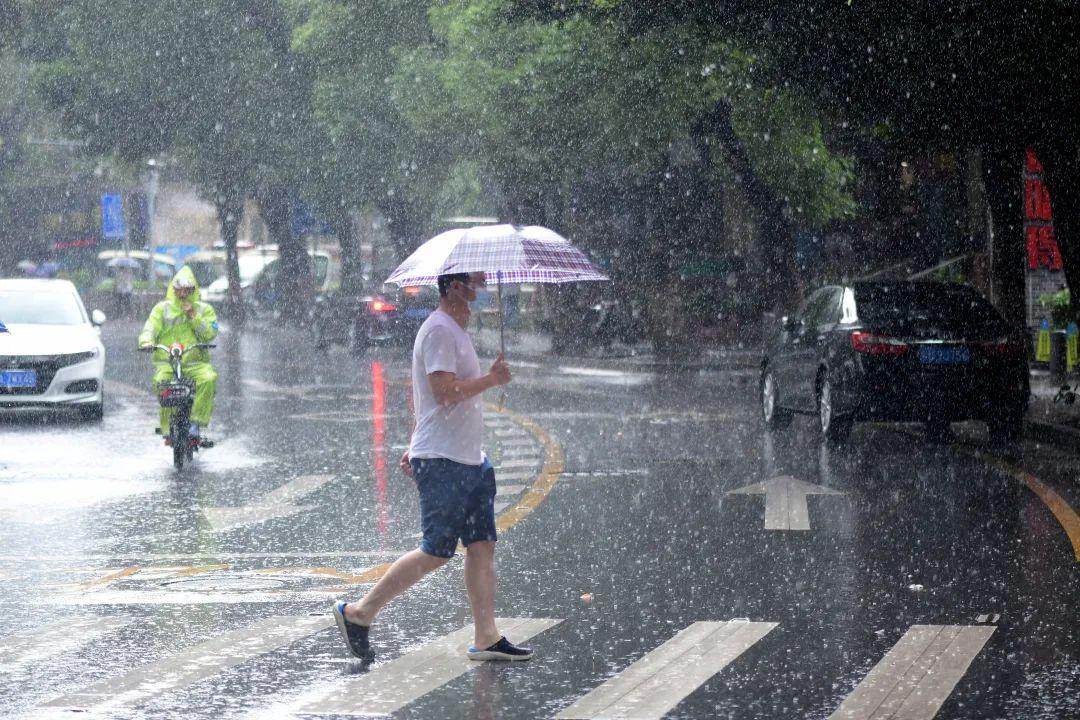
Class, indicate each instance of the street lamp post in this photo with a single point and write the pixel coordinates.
(151, 202)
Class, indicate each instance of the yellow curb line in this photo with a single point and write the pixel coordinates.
(554, 460)
(1062, 511)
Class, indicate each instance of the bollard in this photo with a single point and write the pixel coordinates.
(1057, 353)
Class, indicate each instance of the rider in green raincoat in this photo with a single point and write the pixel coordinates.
(182, 318)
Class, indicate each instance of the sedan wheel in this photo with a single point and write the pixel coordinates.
(834, 429)
(775, 417)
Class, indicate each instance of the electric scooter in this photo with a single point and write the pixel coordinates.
(178, 392)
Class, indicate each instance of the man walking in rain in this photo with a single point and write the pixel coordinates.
(454, 478)
(182, 318)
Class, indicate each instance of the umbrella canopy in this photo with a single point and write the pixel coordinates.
(123, 261)
(510, 253)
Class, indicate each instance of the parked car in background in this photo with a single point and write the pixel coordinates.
(51, 355)
(896, 351)
(164, 265)
(207, 265)
(389, 316)
(251, 264)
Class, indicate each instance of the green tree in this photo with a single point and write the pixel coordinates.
(552, 105)
(373, 157)
(215, 85)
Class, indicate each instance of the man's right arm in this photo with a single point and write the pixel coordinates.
(448, 389)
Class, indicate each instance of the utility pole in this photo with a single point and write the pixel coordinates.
(151, 202)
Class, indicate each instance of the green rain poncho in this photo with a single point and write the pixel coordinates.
(169, 324)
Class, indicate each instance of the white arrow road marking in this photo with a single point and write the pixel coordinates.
(196, 663)
(275, 504)
(785, 501)
(659, 681)
(393, 685)
(60, 638)
(915, 678)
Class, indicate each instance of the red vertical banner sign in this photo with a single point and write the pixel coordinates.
(1042, 247)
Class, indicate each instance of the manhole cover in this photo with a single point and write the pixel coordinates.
(225, 584)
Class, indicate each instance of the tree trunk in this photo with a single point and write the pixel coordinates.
(293, 288)
(230, 211)
(776, 233)
(352, 264)
(1061, 167)
(1004, 196)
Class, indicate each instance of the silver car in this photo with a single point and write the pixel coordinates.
(50, 348)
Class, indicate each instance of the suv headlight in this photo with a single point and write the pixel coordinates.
(76, 358)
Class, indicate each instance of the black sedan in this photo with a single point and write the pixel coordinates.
(896, 351)
(388, 316)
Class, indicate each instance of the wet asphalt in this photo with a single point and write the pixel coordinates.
(111, 562)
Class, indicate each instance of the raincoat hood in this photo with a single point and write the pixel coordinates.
(169, 323)
(187, 274)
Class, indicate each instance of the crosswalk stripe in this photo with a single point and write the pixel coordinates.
(517, 451)
(917, 675)
(196, 663)
(518, 464)
(512, 432)
(58, 638)
(395, 684)
(504, 490)
(517, 475)
(523, 441)
(660, 680)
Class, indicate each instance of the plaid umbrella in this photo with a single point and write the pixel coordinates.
(509, 253)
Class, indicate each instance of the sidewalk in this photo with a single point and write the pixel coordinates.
(1048, 421)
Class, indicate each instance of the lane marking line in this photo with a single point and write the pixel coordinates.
(194, 663)
(917, 675)
(664, 677)
(1059, 508)
(103, 581)
(278, 503)
(390, 686)
(1062, 511)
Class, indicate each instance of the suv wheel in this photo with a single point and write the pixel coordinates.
(834, 429)
(775, 417)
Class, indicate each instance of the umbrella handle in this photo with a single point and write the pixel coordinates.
(502, 334)
(498, 293)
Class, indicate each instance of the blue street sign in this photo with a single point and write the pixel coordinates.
(112, 217)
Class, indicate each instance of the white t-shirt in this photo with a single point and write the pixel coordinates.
(454, 432)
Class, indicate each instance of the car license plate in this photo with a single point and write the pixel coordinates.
(18, 378)
(417, 313)
(944, 355)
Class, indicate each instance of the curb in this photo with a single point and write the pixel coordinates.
(1054, 434)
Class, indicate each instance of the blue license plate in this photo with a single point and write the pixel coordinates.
(18, 378)
(944, 355)
(417, 313)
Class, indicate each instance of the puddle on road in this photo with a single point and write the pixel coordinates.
(58, 463)
(613, 377)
